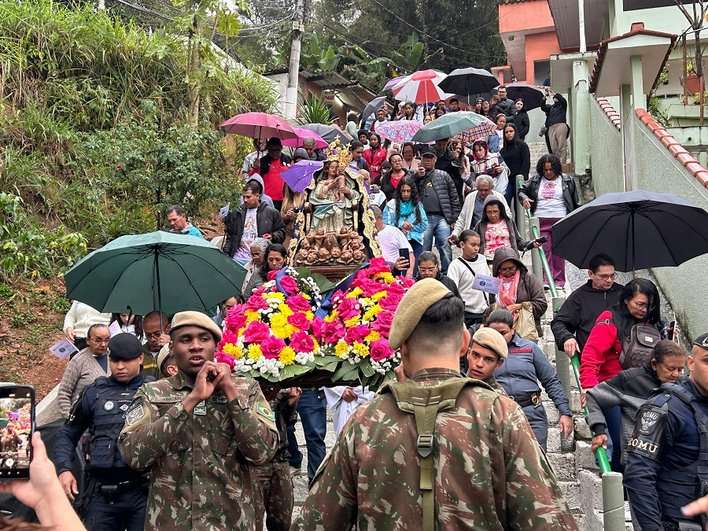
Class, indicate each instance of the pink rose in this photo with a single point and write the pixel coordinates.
(302, 342)
(369, 287)
(288, 285)
(271, 347)
(333, 332)
(383, 322)
(298, 303)
(224, 358)
(347, 308)
(390, 302)
(299, 320)
(256, 332)
(356, 333)
(377, 265)
(380, 350)
(256, 302)
(229, 337)
(236, 318)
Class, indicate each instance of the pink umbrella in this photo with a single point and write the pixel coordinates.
(259, 125)
(399, 130)
(392, 83)
(421, 87)
(302, 134)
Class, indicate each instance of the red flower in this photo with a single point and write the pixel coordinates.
(271, 347)
(383, 322)
(224, 358)
(272, 274)
(288, 285)
(377, 265)
(318, 328)
(302, 342)
(380, 350)
(256, 332)
(235, 319)
(298, 303)
(229, 336)
(356, 333)
(299, 320)
(347, 308)
(256, 302)
(333, 332)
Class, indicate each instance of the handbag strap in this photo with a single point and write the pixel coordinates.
(484, 293)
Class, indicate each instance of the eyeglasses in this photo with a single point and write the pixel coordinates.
(608, 276)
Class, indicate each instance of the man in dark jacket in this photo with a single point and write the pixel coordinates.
(576, 317)
(505, 105)
(251, 220)
(557, 129)
(438, 194)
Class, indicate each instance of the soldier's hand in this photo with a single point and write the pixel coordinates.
(205, 383)
(598, 441)
(294, 395)
(69, 484)
(349, 395)
(223, 381)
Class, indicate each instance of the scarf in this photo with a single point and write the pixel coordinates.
(508, 288)
(405, 208)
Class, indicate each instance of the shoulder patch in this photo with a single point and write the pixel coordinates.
(647, 420)
(264, 410)
(135, 415)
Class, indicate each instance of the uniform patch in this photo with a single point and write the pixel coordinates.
(108, 406)
(264, 411)
(124, 408)
(135, 415)
(200, 409)
(647, 421)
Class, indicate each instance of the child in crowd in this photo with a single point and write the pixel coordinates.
(462, 272)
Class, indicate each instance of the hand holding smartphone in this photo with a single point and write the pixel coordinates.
(17, 411)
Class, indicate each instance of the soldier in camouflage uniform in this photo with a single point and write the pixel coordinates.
(273, 491)
(475, 466)
(198, 433)
(484, 356)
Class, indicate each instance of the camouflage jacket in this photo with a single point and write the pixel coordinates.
(490, 473)
(199, 463)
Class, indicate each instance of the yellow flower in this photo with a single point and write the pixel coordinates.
(310, 315)
(353, 294)
(279, 297)
(280, 327)
(360, 349)
(254, 352)
(373, 336)
(352, 322)
(287, 356)
(371, 313)
(341, 349)
(331, 317)
(251, 315)
(385, 276)
(285, 310)
(235, 351)
(376, 297)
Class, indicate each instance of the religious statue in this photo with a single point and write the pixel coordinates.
(335, 227)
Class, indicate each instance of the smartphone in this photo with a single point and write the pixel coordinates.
(17, 403)
(404, 253)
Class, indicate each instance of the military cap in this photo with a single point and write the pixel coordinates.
(191, 318)
(414, 304)
(162, 356)
(493, 340)
(124, 347)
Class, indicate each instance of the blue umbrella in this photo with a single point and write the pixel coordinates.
(299, 175)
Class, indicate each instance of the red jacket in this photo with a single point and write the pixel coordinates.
(374, 159)
(599, 360)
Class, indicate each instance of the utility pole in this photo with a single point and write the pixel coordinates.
(101, 5)
(294, 66)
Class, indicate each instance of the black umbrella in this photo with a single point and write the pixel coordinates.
(533, 96)
(469, 81)
(371, 107)
(637, 229)
(329, 132)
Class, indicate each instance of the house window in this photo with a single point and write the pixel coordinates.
(541, 71)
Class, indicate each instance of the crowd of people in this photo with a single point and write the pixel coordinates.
(169, 439)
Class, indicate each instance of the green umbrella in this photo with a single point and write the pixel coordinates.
(155, 271)
(449, 125)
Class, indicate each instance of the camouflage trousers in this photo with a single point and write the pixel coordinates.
(273, 495)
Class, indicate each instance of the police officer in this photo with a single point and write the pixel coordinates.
(114, 496)
(667, 454)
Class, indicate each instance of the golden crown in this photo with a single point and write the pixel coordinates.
(337, 152)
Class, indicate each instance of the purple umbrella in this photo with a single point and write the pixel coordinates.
(299, 175)
(392, 83)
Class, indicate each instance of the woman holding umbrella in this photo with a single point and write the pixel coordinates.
(521, 119)
(551, 196)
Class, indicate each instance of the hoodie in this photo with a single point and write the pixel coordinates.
(530, 286)
(578, 313)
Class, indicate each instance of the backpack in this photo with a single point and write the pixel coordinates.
(425, 403)
(638, 346)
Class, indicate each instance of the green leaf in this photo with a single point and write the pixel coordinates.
(366, 368)
(327, 363)
(227, 23)
(290, 371)
(346, 372)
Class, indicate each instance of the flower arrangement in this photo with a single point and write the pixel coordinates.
(277, 334)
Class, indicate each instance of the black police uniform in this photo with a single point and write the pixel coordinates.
(667, 456)
(115, 495)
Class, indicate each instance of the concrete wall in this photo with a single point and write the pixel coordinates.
(655, 169)
(605, 152)
(539, 47)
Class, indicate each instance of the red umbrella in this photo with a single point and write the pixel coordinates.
(421, 87)
(302, 134)
(259, 125)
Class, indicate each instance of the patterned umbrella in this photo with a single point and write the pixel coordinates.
(300, 174)
(399, 130)
(452, 124)
(302, 134)
(420, 87)
(259, 125)
(480, 132)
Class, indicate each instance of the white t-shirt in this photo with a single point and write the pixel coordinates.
(250, 233)
(550, 199)
(459, 273)
(391, 239)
